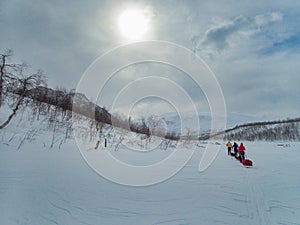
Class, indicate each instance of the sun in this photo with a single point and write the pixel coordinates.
(134, 23)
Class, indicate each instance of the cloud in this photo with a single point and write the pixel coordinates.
(234, 32)
(218, 36)
(246, 45)
(264, 19)
(62, 38)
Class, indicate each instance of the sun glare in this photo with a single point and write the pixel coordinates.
(134, 24)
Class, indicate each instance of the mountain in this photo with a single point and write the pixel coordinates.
(179, 124)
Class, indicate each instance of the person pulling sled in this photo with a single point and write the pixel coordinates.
(241, 151)
(229, 146)
(235, 148)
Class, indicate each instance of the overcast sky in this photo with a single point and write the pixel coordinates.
(252, 47)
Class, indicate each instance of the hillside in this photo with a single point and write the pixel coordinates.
(283, 130)
(277, 130)
(61, 101)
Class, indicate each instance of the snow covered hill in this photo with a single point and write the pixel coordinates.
(283, 130)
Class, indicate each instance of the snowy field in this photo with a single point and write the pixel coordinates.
(46, 186)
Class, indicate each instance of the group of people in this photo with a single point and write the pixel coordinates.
(238, 150)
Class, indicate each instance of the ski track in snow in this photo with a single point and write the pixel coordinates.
(258, 207)
(170, 222)
(60, 203)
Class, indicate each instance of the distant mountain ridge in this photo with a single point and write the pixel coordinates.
(176, 122)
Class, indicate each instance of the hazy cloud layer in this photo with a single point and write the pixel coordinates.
(252, 47)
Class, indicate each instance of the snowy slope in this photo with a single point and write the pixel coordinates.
(39, 185)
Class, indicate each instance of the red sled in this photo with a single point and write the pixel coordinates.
(247, 162)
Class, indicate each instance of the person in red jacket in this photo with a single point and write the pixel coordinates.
(241, 152)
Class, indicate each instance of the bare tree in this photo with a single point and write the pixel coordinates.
(188, 137)
(4, 66)
(15, 85)
(120, 138)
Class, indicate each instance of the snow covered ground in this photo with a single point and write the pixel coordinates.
(45, 186)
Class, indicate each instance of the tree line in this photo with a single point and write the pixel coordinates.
(278, 130)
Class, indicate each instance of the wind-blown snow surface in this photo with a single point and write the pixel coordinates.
(39, 185)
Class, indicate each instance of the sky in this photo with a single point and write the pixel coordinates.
(252, 48)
